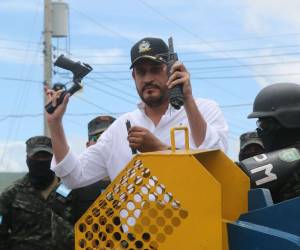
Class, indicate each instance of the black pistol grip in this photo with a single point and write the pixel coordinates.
(50, 108)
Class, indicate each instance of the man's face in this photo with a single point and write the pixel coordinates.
(150, 79)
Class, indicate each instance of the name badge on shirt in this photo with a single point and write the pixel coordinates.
(63, 190)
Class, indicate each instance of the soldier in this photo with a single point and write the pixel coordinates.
(97, 126)
(85, 196)
(35, 211)
(277, 109)
(250, 145)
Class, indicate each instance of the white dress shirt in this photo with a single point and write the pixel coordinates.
(111, 153)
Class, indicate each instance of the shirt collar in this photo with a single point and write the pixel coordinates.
(141, 106)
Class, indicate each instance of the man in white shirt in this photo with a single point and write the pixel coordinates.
(151, 122)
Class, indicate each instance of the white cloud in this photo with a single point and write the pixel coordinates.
(286, 65)
(14, 52)
(88, 28)
(99, 56)
(13, 154)
(261, 15)
(12, 157)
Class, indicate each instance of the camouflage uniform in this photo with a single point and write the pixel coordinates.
(84, 197)
(30, 222)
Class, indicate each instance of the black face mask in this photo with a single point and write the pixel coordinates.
(279, 138)
(40, 174)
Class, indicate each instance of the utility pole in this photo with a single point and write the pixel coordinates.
(47, 55)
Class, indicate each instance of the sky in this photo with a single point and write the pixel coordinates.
(231, 48)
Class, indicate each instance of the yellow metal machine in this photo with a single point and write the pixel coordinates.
(177, 199)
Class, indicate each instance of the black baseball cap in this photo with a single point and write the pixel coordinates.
(151, 48)
(99, 124)
(37, 144)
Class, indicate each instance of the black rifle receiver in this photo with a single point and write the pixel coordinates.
(79, 71)
(176, 98)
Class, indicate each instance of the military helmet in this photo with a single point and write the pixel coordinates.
(280, 101)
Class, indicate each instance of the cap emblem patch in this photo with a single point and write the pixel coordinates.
(144, 46)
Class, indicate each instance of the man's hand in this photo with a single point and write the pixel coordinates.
(143, 140)
(59, 143)
(180, 75)
(57, 115)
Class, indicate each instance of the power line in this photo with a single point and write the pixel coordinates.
(5, 117)
(210, 67)
(222, 58)
(222, 89)
(192, 33)
(244, 57)
(221, 41)
(19, 79)
(207, 51)
(111, 94)
(246, 76)
(231, 77)
(236, 105)
(225, 41)
(20, 49)
(201, 60)
(20, 41)
(196, 78)
(247, 49)
(93, 104)
(112, 87)
(254, 38)
(107, 112)
(20, 102)
(245, 65)
(101, 25)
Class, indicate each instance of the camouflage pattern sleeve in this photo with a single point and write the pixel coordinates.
(62, 233)
(4, 234)
(6, 199)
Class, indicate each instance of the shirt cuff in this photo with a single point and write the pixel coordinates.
(66, 166)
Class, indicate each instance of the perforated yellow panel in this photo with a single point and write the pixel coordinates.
(137, 212)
